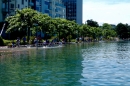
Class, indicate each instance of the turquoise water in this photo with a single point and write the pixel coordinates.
(88, 64)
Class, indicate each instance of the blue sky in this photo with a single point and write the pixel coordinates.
(107, 11)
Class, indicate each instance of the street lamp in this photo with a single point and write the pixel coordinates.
(4, 25)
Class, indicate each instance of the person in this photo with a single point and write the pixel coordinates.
(18, 41)
(35, 41)
(63, 40)
(24, 40)
(13, 44)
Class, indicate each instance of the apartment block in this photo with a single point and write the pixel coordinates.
(8, 7)
(1, 11)
(17, 4)
(54, 8)
(74, 10)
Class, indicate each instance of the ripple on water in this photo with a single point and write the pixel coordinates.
(106, 66)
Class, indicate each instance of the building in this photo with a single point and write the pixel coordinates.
(8, 7)
(1, 11)
(35, 4)
(4, 9)
(54, 8)
(74, 10)
(17, 4)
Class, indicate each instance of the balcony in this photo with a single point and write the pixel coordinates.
(31, 4)
(48, 1)
(56, 10)
(47, 11)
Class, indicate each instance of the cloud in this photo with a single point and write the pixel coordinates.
(103, 12)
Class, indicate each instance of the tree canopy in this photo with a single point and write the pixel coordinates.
(31, 21)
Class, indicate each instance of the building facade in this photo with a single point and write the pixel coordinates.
(8, 7)
(4, 9)
(74, 10)
(54, 8)
(17, 4)
(1, 11)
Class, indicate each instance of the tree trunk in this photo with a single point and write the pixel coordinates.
(59, 35)
(28, 35)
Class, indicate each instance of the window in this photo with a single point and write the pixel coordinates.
(22, 1)
(11, 5)
(18, 6)
(37, 8)
(37, 0)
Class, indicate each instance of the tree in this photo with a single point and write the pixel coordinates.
(107, 33)
(1, 41)
(58, 25)
(122, 30)
(92, 23)
(106, 26)
(24, 19)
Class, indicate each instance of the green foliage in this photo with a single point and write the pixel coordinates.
(122, 30)
(31, 41)
(29, 20)
(107, 33)
(92, 23)
(106, 26)
(8, 42)
(1, 41)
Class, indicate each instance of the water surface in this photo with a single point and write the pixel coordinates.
(88, 64)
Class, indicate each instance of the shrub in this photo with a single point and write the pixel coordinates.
(1, 41)
(6, 42)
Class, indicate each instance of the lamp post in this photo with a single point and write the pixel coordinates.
(4, 25)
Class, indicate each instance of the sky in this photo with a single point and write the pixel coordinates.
(107, 11)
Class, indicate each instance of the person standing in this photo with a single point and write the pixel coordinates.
(24, 40)
(18, 41)
(35, 42)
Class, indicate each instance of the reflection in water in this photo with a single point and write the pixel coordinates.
(42, 67)
(97, 64)
(106, 64)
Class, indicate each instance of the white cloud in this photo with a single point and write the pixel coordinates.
(106, 13)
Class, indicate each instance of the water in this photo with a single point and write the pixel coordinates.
(93, 64)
